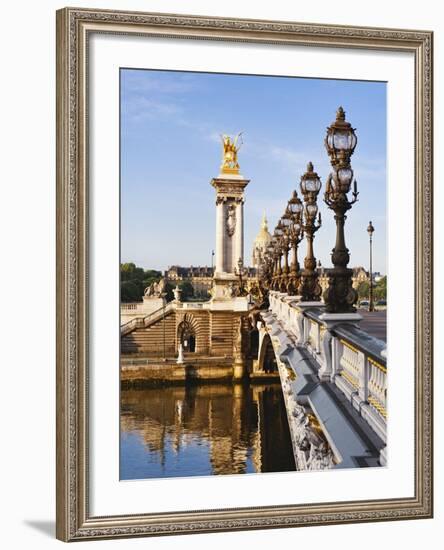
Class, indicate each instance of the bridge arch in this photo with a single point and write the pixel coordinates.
(267, 359)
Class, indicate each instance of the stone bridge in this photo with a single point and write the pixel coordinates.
(333, 374)
(333, 377)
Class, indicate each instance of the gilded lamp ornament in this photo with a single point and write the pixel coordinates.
(230, 149)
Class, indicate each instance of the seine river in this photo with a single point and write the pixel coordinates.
(201, 430)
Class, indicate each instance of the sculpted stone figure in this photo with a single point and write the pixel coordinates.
(230, 150)
(149, 290)
(314, 453)
(237, 340)
(229, 291)
(156, 290)
(231, 219)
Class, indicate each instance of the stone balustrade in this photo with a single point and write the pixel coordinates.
(150, 311)
(345, 355)
(377, 386)
(140, 322)
(133, 306)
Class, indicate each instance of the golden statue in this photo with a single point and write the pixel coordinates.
(229, 157)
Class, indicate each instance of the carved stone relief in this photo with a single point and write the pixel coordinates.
(231, 219)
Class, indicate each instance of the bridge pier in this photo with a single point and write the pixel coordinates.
(239, 371)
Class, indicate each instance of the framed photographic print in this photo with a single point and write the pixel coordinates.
(244, 274)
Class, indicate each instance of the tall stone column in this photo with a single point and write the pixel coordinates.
(239, 246)
(229, 221)
(229, 232)
(220, 238)
(230, 186)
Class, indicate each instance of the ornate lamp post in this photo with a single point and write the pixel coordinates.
(310, 289)
(285, 239)
(296, 235)
(370, 230)
(268, 266)
(340, 143)
(275, 258)
(264, 271)
(278, 232)
(241, 271)
(285, 247)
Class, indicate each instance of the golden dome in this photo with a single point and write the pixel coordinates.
(263, 237)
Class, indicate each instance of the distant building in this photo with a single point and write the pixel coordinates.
(260, 244)
(200, 277)
(360, 275)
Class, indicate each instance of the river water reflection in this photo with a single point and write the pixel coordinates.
(204, 429)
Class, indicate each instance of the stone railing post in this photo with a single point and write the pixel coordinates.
(313, 336)
(288, 318)
(326, 371)
(294, 322)
(306, 331)
(300, 327)
(363, 376)
(335, 357)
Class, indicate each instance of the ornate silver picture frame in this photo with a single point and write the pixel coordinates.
(74, 213)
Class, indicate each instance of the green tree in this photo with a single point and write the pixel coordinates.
(169, 292)
(187, 290)
(129, 272)
(152, 274)
(134, 280)
(380, 291)
(129, 291)
(363, 290)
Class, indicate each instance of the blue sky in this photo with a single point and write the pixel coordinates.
(170, 150)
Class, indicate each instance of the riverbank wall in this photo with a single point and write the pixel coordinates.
(142, 372)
